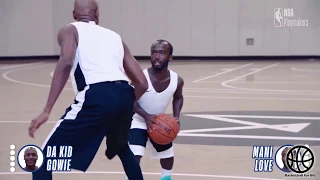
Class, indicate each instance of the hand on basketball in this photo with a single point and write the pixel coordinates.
(37, 122)
(149, 121)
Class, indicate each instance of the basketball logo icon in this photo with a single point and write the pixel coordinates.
(30, 158)
(300, 159)
(297, 158)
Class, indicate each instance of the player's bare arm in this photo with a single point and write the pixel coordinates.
(177, 101)
(138, 109)
(67, 39)
(135, 73)
(149, 118)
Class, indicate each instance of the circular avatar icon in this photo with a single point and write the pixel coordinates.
(30, 158)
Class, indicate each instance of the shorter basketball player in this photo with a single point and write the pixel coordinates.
(30, 158)
(164, 85)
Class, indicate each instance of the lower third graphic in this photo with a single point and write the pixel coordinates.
(296, 160)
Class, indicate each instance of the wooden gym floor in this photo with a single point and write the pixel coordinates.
(248, 98)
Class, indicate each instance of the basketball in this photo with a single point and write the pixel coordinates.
(166, 129)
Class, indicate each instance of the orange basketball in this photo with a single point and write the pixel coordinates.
(166, 129)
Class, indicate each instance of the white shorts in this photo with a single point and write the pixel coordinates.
(138, 140)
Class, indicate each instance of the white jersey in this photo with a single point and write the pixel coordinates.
(99, 56)
(154, 102)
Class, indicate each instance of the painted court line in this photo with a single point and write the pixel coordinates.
(270, 117)
(228, 91)
(5, 76)
(220, 129)
(151, 173)
(263, 82)
(24, 122)
(220, 115)
(249, 92)
(224, 72)
(255, 98)
(297, 127)
(19, 65)
(225, 83)
(237, 121)
(237, 136)
(304, 70)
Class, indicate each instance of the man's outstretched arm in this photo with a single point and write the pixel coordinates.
(68, 43)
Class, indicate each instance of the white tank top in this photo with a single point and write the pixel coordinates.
(154, 102)
(99, 56)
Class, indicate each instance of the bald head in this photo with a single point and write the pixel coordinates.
(30, 150)
(164, 42)
(86, 10)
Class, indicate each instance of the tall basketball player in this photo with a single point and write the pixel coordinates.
(164, 85)
(103, 106)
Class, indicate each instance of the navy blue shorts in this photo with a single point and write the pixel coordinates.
(87, 121)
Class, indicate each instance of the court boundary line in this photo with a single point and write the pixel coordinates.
(150, 173)
(223, 72)
(230, 90)
(17, 66)
(183, 134)
(6, 77)
(316, 118)
(246, 91)
(254, 98)
(225, 83)
(262, 82)
(237, 136)
(305, 70)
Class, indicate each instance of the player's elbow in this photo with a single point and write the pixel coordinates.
(178, 99)
(140, 83)
(143, 84)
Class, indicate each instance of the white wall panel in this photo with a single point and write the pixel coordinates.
(194, 27)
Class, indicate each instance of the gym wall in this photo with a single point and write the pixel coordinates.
(194, 27)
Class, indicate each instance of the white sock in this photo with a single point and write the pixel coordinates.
(165, 173)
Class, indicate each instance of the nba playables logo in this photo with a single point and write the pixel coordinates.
(285, 17)
(294, 159)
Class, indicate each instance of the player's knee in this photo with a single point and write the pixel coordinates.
(167, 159)
(137, 150)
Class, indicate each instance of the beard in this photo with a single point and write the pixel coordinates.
(161, 66)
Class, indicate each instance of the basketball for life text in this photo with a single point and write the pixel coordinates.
(59, 158)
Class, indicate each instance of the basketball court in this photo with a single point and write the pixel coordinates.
(229, 107)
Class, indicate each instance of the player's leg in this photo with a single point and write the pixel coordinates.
(166, 155)
(138, 137)
(130, 164)
(137, 142)
(120, 126)
(85, 142)
(167, 165)
(83, 127)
